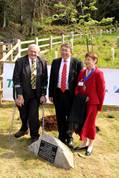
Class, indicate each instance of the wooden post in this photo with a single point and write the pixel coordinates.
(72, 39)
(0, 97)
(1, 66)
(101, 31)
(118, 42)
(56, 54)
(51, 39)
(110, 31)
(2, 50)
(36, 40)
(9, 48)
(62, 38)
(19, 47)
(113, 53)
(1, 69)
(107, 31)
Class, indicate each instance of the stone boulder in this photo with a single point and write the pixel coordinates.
(53, 150)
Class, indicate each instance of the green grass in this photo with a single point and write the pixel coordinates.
(102, 45)
(17, 162)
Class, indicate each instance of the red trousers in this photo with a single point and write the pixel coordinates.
(89, 128)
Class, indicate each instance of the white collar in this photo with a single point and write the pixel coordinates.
(68, 59)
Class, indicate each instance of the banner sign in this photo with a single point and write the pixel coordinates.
(112, 86)
(111, 79)
(7, 81)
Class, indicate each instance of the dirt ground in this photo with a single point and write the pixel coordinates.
(17, 162)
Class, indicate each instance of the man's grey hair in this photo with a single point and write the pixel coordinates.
(34, 46)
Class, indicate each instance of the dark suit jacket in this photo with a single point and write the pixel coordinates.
(75, 67)
(22, 78)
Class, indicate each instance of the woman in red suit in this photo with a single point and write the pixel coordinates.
(91, 83)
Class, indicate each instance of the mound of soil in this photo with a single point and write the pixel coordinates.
(50, 123)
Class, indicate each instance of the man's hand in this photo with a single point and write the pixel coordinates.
(20, 101)
(43, 99)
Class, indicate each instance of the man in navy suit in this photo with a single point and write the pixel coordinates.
(28, 97)
(63, 99)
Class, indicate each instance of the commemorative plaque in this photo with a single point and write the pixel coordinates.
(47, 151)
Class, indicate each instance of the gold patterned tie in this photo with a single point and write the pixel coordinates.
(33, 74)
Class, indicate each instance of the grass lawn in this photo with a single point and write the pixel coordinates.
(17, 162)
(101, 45)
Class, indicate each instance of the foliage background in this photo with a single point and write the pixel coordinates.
(23, 18)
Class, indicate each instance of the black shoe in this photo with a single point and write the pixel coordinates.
(88, 153)
(34, 140)
(70, 144)
(20, 133)
(78, 148)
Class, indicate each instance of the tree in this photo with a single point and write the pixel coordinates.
(33, 14)
(86, 9)
(108, 8)
(6, 12)
(65, 13)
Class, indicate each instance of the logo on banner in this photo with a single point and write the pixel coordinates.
(9, 83)
(116, 89)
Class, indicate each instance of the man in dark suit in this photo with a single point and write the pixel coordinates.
(29, 90)
(63, 98)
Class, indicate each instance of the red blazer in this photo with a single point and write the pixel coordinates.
(94, 87)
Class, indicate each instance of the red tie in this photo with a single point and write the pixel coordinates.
(63, 77)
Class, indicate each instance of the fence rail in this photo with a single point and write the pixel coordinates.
(21, 47)
(44, 44)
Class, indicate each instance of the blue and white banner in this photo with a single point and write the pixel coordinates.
(7, 81)
(112, 86)
(111, 79)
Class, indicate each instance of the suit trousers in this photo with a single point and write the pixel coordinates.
(29, 114)
(63, 104)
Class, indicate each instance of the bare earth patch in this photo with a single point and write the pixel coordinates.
(17, 162)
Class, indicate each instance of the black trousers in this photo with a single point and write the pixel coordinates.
(29, 114)
(63, 104)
